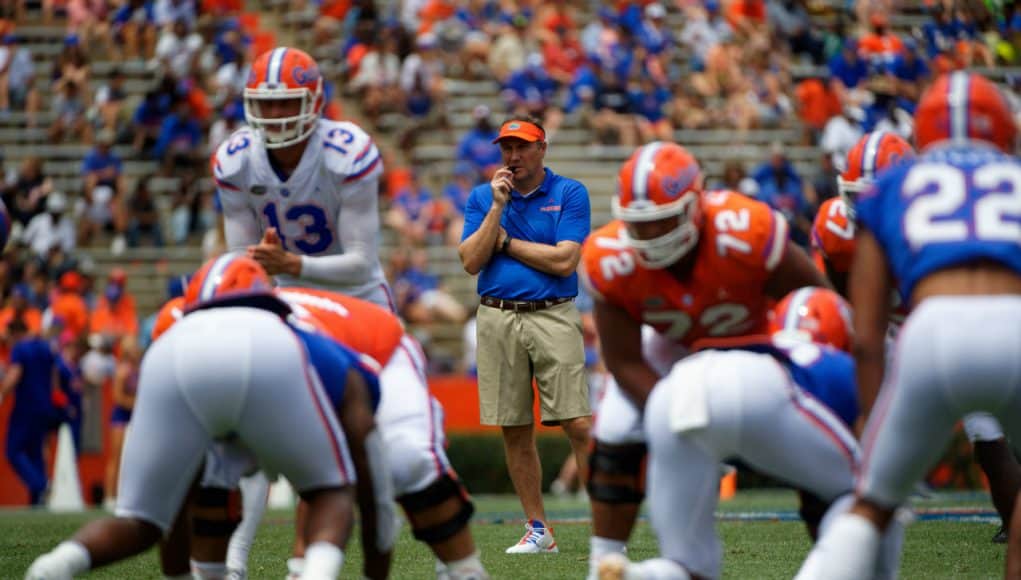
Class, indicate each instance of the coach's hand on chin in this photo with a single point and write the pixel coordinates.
(271, 255)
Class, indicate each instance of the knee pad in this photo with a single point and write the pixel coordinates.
(216, 512)
(439, 492)
(614, 462)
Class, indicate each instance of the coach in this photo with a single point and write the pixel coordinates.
(522, 235)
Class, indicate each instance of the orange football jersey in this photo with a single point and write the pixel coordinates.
(741, 241)
(357, 324)
(170, 313)
(833, 236)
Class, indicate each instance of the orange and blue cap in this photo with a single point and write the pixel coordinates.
(521, 130)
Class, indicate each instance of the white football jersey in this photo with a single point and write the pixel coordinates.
(330, 201)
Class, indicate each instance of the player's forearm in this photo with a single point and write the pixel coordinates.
(477, 249)
(350, 268)
(555, 260)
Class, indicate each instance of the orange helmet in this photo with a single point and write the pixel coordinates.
(224, 275)
(873, 153)
(278, 74)
(815, 314)
(661, 180)
(962, 106)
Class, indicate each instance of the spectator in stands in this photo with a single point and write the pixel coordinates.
(179, 144)
(880, 46)
(70, 122)
(104, 190)
(911, 71)
(419, 294)
(824, 182)
(88, 20)
(230, 119)
(68, 310)
(455, 197)
(783, 189)
(72, 68)
(177, 49)
(377, 82)
(790, 20)
(115, 315)
(148, 118)
(167, 12)
(817, 103)
(108, 106)
(704, 28)
(510, 48)
(847, 69)
(18, 307)
(53, 228)
(414, 214)
(30, 376)
(650, 105)
(841, 133)
(611, 121)
(477, 148)
(143, 215)
(422, 86)
(733, 174)
(654, 36)
(563, 54)
(17, 80)
(25, 194)
(125, 386)
(134, 29)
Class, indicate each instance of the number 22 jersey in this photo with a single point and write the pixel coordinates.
(952, 205)
(740, 242)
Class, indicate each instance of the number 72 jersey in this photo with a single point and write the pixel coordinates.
(740, 243)
(951, 206)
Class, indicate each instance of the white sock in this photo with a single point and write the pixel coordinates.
(323, 561)
(599, 547)
(846, 551)
(208, 570)
(441, 570)
(295, 566)
(67, 560)
(658, 569)
(254, 493)
(469, 568)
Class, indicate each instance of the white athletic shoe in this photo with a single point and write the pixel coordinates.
(538, 539)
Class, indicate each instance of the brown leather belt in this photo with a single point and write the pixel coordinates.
(522, 305)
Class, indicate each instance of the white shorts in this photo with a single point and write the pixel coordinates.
(227, 374)
(409, 419)
(955, 355)
(733, 404)
(617, 420)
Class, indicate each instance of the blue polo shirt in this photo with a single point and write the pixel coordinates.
(557, 211)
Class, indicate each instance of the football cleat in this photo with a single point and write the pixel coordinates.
(538, 539)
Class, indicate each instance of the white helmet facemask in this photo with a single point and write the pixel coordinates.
(283, 131)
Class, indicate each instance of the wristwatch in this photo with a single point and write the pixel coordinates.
(505, 245)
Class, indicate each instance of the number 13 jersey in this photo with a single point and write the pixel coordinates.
(953, 205)
(741, 241)
(328, 205)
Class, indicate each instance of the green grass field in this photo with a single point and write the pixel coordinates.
(753, 549)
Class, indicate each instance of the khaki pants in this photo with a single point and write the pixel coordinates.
(515, 346)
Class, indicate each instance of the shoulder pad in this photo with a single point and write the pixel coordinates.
(349, 152)
(228, 165)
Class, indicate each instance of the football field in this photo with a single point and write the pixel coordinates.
(761, 534)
